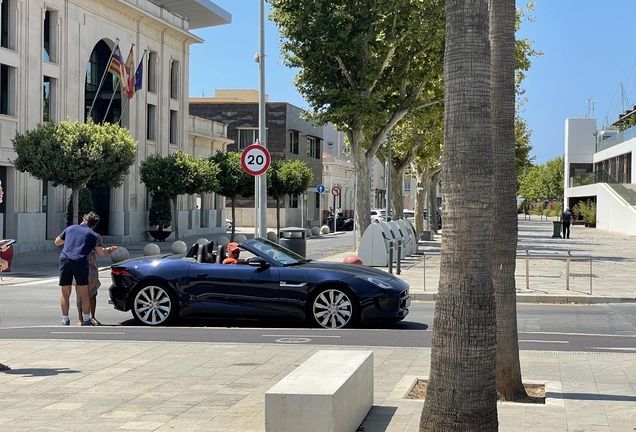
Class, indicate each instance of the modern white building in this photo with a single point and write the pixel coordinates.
(53, 55)
(599, 167)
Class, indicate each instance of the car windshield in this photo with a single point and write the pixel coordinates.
(277, 252)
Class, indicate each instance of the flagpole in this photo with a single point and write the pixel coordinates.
(123, 110)
(101, 83)
(115, 90)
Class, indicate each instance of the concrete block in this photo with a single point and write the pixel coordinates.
(330, 392)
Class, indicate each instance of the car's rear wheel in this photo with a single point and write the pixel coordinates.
(153, 304)
(333, 308)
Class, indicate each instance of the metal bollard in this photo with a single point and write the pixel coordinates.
(399, 257)
(390, 257)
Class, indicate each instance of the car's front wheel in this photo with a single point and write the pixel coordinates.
(333, 308)
(153, 304)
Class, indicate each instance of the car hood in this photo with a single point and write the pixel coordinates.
(350, 269)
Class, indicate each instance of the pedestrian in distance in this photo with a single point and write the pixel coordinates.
(78, 241)
(566, 220)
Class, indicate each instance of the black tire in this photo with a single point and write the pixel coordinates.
(154, 304)
(333, 308)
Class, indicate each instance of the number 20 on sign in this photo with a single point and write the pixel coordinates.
(255, 159)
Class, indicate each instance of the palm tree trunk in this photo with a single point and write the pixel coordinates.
(461, 393)
(505, 230)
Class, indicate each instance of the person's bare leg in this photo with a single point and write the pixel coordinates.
(79, 316)
(93, 308)
(64, 299)
(82, 292)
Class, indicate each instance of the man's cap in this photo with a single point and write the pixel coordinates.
(233, 246)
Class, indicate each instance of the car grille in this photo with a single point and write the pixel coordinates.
(404, 296)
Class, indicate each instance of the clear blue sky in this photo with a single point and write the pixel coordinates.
(588, 46)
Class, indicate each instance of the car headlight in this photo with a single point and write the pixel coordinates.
(375, 281)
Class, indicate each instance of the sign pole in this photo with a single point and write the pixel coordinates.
(262, 132)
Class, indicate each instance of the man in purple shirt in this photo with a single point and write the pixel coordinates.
(78, 241)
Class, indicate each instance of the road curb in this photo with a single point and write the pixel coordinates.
(548, 299)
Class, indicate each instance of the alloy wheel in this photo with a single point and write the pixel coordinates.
(333, 309)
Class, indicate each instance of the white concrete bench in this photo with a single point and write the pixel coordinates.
(330, 392)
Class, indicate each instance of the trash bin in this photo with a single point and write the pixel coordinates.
(556, 229)
(294, 239)
(330, 223)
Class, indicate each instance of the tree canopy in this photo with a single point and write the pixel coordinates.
(362, 66)
(178, 174)
(232, 179)
(287, 178)
(71, 154)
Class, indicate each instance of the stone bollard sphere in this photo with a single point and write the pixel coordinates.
(203, 241)
(239, 238)
(271, 236)
(179, 247)
(121, 255)
(324, 229)
(151, 249)
(307, 232)
(315, 231)
(352, 259)
(222, 240)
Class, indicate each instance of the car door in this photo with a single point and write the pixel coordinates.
(233, 290)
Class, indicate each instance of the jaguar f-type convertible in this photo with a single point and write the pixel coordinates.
(274, 283)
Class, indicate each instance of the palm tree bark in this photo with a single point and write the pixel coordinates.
(461, 394)
(505, 230)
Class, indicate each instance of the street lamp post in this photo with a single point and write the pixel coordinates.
(261, 196)
(388, 178)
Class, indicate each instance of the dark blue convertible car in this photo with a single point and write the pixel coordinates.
(275, 283)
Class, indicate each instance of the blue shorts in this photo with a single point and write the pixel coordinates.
(71, 268)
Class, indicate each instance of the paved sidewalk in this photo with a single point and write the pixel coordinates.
(64, 385)
(153, 386)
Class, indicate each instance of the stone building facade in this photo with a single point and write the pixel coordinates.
(53, 55)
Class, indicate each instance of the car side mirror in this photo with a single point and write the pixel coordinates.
(258, 262)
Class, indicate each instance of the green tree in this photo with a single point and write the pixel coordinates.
(160, 213)
(285, 178)
(362, 66)
(461, 393)
(543, 182)
(71, 154)
(178, 174)
(85, 206)
(233, 180)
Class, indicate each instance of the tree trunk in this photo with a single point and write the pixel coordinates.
(175, 217)
(505, 230)
(461, 393)
(397, 195)
(75, 194)
(420, 197)
(431, 211)
(362, 160)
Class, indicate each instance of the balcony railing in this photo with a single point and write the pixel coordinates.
(620, 137)
(603, 176)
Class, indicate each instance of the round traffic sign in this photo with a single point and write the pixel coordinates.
(336, 191)
(255, 159)
(320, 188)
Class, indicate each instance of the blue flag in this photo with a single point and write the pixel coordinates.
(139, 76)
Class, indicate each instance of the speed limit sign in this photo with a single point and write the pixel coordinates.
(255, 159)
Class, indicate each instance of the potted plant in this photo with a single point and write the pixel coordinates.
(160, 216)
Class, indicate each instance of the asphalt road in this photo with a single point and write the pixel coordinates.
(32, 312)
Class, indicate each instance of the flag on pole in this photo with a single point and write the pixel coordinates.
(130, 67)
(139, 76)
(116, 65)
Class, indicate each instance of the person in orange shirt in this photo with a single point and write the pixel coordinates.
(233, 252)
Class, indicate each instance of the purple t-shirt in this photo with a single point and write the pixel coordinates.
(79, 241)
